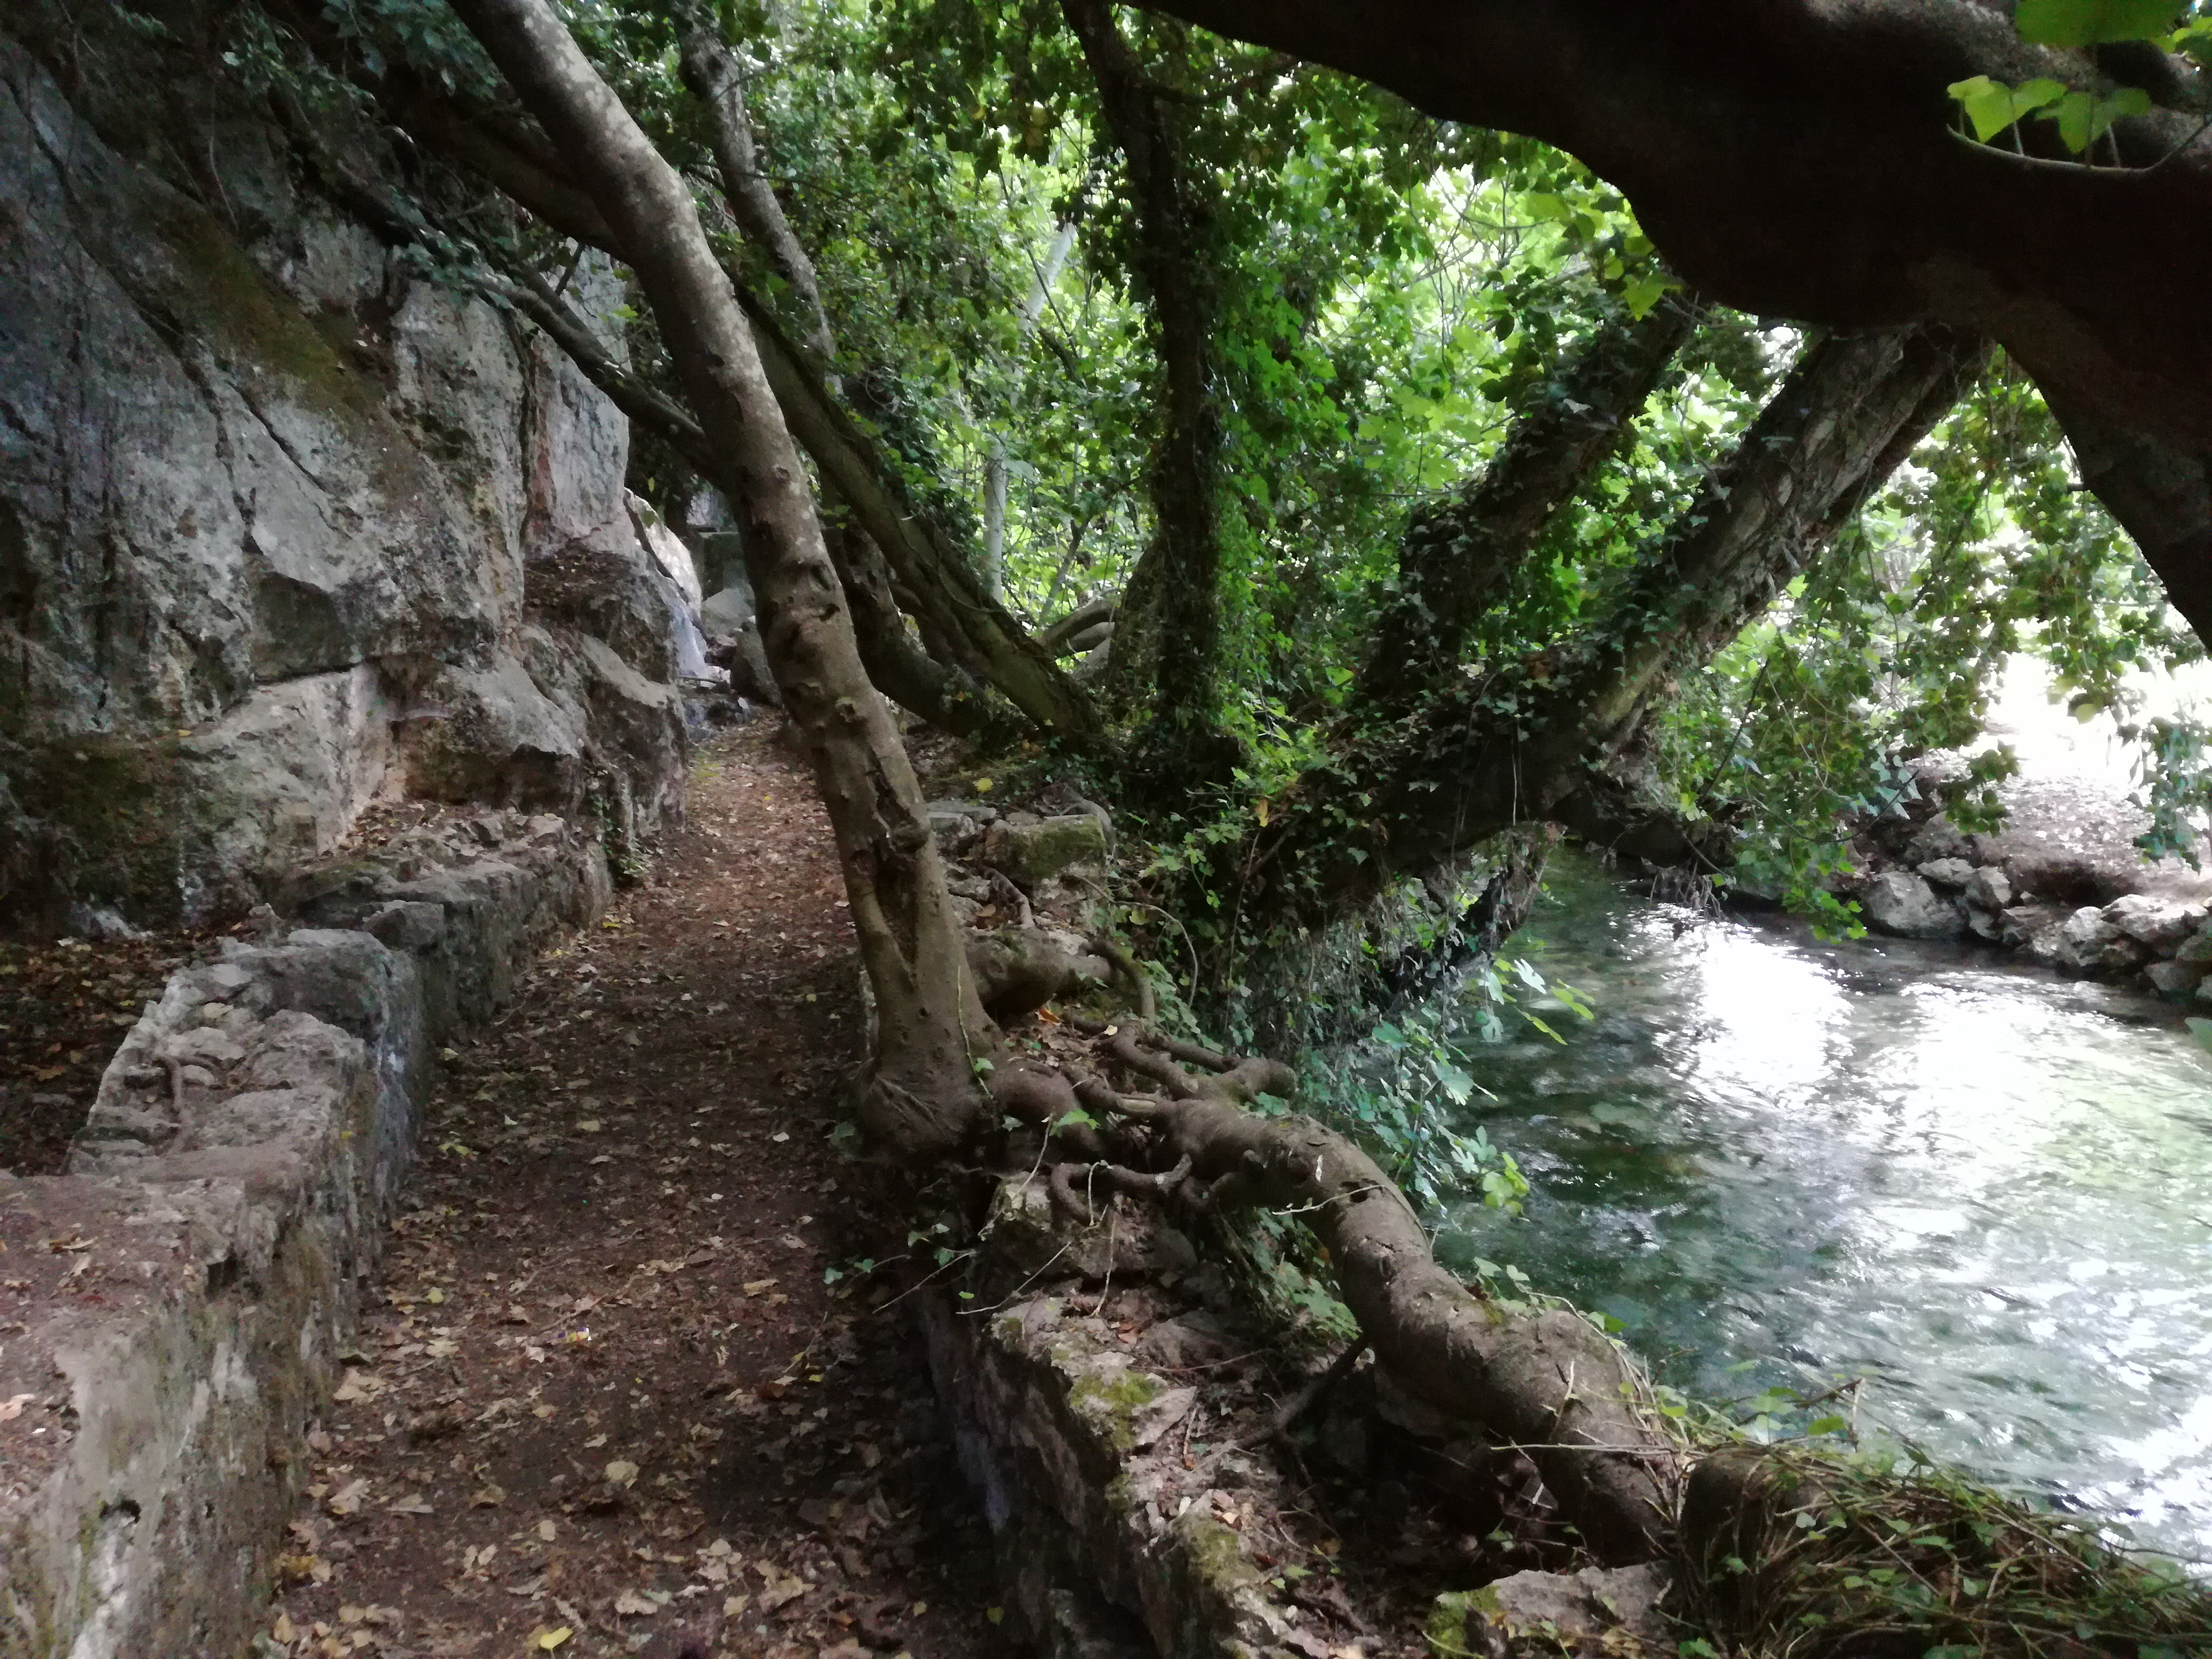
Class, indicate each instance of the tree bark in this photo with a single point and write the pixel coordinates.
(1458, 554)
(923, 1096)
(953, 602)
(1796, 158)
(1173, 600)
(896, 662)
(2162, 493)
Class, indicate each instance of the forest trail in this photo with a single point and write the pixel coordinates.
(602, 1386)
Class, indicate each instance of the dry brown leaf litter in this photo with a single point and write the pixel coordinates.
(604, 1401)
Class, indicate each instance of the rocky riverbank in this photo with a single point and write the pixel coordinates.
(2063, 883)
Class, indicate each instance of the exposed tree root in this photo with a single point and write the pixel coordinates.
(1548, 1382)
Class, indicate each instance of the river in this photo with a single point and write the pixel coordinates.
(1986, 1191)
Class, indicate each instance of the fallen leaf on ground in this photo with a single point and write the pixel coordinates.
(348, 1499)
(630, 1604)
(488, 1496)
(621, 1471)
(411, 1504)
(12, 1406)
(545, 1640)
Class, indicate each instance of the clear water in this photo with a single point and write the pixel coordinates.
(1986, 1191)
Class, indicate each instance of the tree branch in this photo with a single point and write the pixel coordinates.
(711, 73)
(1457, 554)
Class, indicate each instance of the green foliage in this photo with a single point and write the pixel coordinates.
(1399, 1093)
(2088, 22)
(1389, 293)
(2081, 116)
(2173, 775)
(1879, 1545)
(1981, 547)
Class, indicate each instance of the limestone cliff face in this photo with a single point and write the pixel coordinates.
(282, 525)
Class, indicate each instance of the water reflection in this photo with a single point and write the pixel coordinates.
(1988, 1192)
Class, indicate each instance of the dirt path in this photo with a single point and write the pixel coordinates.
(603, 1387)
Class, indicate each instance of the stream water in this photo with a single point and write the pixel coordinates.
(1986, 1191)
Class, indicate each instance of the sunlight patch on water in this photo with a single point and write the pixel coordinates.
(1987, 1191)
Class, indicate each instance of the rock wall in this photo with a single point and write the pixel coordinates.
(182, 1299)
(282, 525)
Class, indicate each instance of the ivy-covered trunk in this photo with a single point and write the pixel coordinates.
(1506, 743)
(1168, 632)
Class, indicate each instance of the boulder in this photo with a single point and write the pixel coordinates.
(2086, 942)
(1990, 888)
(1947, 873)
(1030, 852)
(668, 551)
(2161, 926)
(2176, 979)
(1936, 840)
(1899, 902)
(1598, 1612)
(733, 643)
(2197, 947)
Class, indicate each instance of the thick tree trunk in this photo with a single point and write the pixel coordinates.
(924, 1095)
(1509, 746)
(1172, 632)
(2161, 493)
(1849, 414)
(1458, 554)
(1796, 158)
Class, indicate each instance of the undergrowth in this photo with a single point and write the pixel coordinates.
(1839, 1551)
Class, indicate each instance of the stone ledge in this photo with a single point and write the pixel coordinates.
(1115, 1543)
(180, 1300)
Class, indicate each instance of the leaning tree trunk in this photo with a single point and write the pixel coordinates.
(1458, 554)
(1507, 746)
(951, 602)
(923, 1095)
(710, 70)
(1173, 602)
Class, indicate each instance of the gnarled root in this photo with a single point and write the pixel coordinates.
(1548, 1382)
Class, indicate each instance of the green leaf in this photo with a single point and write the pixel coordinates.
(1992, 106)
(2089, 22)
(1455, 1082)
(2083, 117)
(1987, 103)
(1642, 293)
(1827, 1425)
